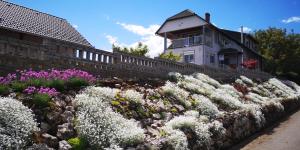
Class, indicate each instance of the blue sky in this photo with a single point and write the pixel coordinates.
(126, 22)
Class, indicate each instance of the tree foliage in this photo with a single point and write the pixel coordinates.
(281, 50)
(170, 56)
(139, 50)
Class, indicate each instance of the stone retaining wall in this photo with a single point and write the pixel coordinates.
(19, 54)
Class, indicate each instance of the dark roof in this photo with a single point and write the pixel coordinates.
(183, 14)
(22, 19)
(229, 50)
(236, 35)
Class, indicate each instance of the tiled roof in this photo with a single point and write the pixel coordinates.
(19, 18)
(236, 35)
(185, 13)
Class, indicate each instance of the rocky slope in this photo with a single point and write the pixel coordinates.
(186, 112)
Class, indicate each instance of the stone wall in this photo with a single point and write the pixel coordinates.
(20, 54)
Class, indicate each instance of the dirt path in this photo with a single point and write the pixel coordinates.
(284, 136)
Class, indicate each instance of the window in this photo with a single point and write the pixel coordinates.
(212, 59)
(189, 58)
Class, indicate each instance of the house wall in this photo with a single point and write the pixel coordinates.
(198, 53)
(184, 23)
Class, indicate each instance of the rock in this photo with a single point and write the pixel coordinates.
(156, 116)
(64, 145)
(68, 99)
(60, 103)
(179, 107)
(157, 123)
(168, 116)
(65, 131)
(118, 86)
(53, 116)
(70, 108)
(39, 147)
(67, 116)
(45, 127)
(12, 95)
(50, 140)
(152, 131)
(161, 105)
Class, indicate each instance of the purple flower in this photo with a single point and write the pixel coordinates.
(48, 91)
(30, 90)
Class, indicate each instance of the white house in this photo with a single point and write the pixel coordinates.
(198, 41)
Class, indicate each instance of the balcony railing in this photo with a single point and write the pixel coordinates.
(187, 42)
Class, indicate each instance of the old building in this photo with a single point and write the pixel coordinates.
(21, 24)
(200, 42)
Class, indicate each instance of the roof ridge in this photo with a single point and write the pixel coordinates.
(235, 31)
(31, 9)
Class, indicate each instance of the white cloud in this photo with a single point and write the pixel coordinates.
(147, 37)
(140, 30)
(111, 39)
(291, 19)
(245, 29)
(75, 26)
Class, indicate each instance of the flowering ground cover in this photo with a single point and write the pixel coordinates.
(186, 112)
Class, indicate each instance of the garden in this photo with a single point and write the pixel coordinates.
(72, 109)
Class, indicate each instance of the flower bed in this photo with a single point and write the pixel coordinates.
(187, 112)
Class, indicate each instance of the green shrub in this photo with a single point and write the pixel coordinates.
(57, 84)
(77, 143)
(18, 86)
(4, 90)
(75, 83)
(36, 82)
(41, 100)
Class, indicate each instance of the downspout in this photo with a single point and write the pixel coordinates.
(203, 45)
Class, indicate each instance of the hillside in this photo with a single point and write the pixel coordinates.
(184, 112)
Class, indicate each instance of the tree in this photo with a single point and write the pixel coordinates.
(170, 56)
(281, 50)
(139, 50)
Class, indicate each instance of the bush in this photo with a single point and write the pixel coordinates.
(4, 90)
(36, 82)
(41, 100)
(75, 83)
(17, 124)
(102, 127)
(77, 143)
(18, 86)
(57, 84)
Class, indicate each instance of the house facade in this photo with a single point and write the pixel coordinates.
(198, 41)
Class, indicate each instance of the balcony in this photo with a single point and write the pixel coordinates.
(187, 42)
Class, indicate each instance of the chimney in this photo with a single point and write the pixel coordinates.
(242, 35)
(207, 17)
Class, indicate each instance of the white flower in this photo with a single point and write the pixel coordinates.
(207, 79)
(223, 98)
(107, 94)
(173, 90)
(17, 124)
(255, 111)
(247, 80)
(176, 139)
(101, 126)
(205, 106)
(133, 96)
(175, 76)
(192, 113)
(203, 135)
(182, 121)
